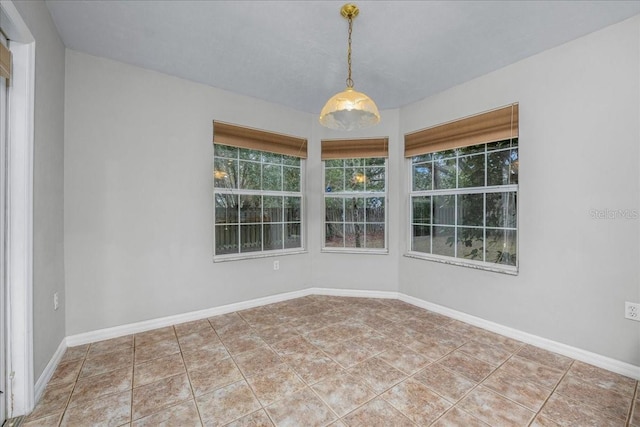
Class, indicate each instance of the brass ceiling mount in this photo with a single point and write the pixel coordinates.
(349, 11)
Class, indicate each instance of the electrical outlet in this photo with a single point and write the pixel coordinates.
(276, 265)
(632, 311)
(56, 302)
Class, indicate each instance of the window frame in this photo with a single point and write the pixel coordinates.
(359, 194)
(261, 193)
(486, 189)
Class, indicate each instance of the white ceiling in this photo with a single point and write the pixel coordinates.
(294, 52)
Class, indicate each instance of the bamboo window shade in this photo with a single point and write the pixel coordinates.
(494, 125)
(255, 139)
(5, 62)
(354, 148)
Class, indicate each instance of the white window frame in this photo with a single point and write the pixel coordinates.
(243, 192)
(453, 260)
(360, 194)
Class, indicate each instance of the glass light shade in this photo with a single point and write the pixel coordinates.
(349, 110)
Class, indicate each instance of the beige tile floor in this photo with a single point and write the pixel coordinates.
(320, 360)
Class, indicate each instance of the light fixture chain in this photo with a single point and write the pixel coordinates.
(349, 80)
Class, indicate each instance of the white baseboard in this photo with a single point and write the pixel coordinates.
(147, 325)
(44, 378)
(354, 293)
(595, 359)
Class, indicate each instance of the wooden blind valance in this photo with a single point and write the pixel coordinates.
(491, 126)
(254, 139)
(354, 148)
(5, 62)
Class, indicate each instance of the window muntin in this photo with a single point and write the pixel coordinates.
(355, 205)
(258, 202)
(464, 205)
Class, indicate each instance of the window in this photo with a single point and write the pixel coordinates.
(258, 200)
(463, 200)
(355, 195)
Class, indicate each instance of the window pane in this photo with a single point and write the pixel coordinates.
(226, 209)
(354, 209)
(354, 235)
(291, 160)
(502, 210)
(334, 209)
(422, 174)
(292, 209)
(273, 236)
(378, 161)
(443, 239)
(272, 209)
(334, 163)
(271, 158)
(444, 174)
(250, 175)
(513, 171)
(293, 235)
(421, 158)
(501, 246)
(471, 171)
(421, 209)
(354, 162)
(333, 235)
(471, 149)
(333, 180)
(470, 243)
(421, 238)
(224, 173)
(272, 177)
(499, 145)
(374, 179)
(225, 151)
(503, 167)
(355, 179)
(375, 235)
(375, 209)
(250, 209)
(247, 154)
(291, 179)
(250, 238)
(444, 210)
(226, 239)
(471, 209)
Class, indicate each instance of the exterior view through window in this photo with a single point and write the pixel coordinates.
(258, 202)
(354, 202)
(464, 204)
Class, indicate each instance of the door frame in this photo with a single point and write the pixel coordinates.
(20, 385)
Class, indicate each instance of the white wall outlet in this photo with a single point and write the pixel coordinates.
(56, 302)
(276, 265)
(632, 311)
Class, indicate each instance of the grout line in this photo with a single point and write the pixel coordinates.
(633, 401)
(193, 392)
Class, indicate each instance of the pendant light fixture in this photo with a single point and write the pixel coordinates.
(349, 110)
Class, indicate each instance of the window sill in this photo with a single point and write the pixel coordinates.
(355, 251)
(478, 265)
(238, 257)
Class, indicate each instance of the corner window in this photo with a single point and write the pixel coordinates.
(464, 205)
(258, 202)
(355, 196)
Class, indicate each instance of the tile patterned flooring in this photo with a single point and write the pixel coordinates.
(321, 360)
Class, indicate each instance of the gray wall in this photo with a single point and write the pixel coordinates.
(48, 232)
(138, 196)
(579, 150)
